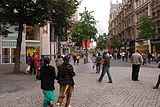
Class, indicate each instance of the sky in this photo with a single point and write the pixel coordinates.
(101, 10)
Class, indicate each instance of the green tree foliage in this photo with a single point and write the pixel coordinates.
(31, 12)
(102, 40)
(84, 28)
(147, 28)
(62, 17)
(114, 41)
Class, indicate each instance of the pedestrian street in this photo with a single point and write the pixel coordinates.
(123, 92)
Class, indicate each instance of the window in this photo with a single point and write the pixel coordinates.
(5, 55)
(13, 55)
(8, 55)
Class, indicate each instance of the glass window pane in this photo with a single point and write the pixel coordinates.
(13, 55)
(5, 55)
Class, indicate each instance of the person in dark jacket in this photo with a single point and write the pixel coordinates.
(47, 77)
(65, 79)
(105, 69)
(157, 84)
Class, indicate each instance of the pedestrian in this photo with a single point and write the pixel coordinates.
(157, 84)
(59, 60)
(36, 66)
(32, 66)
(136, 60)
(47, 76)
(126, 56)
(94, 61)
(144, 56)
(98, 63)
(74, 58)
(29, 59)
(105, 69)
(78, 58)
(65, 79)
(41, 63)
(123, 55)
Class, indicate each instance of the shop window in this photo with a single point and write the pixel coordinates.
(5, 55)
(13, 55)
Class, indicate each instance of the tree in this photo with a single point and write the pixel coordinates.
(62, 17)
(34, 12)
(84, 28)
(114, 41)
(102, 41)
(20, 12)
(147, 28)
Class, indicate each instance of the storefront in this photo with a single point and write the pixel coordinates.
(143, 45)
(155, 45)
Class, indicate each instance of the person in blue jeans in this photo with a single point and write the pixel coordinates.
(98, 64)
(105, 69)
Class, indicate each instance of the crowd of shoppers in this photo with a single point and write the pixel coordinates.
(46, 73)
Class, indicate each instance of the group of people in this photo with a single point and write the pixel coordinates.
(33, 64)
(76, 57)
(64, 77)
(136, 60)
(104, 61)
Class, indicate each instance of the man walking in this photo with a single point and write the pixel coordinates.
(136, 60)
(105, 69)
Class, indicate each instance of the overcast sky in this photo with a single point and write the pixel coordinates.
(101, 12)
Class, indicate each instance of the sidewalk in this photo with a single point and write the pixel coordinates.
(90, 93)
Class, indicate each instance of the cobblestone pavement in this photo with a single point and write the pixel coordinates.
(89, 93)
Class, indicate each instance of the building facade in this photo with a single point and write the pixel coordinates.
(41, 40)
(34, 39)
(125, 24)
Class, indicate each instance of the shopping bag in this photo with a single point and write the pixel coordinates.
(101, 62)
(27, 69)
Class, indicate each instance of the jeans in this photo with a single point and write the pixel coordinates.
(98, 67)
(105, 70)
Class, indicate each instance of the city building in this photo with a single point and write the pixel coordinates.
(125, 24)
(34, 39)
(41, 40)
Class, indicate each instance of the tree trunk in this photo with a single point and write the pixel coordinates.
(18, 46)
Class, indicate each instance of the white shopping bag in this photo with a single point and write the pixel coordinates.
(28, 69)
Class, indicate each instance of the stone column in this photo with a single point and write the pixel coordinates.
(45, 40)
(23, 46)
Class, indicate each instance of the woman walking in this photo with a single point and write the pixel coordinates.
(65, 79)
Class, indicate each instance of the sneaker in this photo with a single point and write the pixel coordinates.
(98, 81)
(58, 105)
(110, 82)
